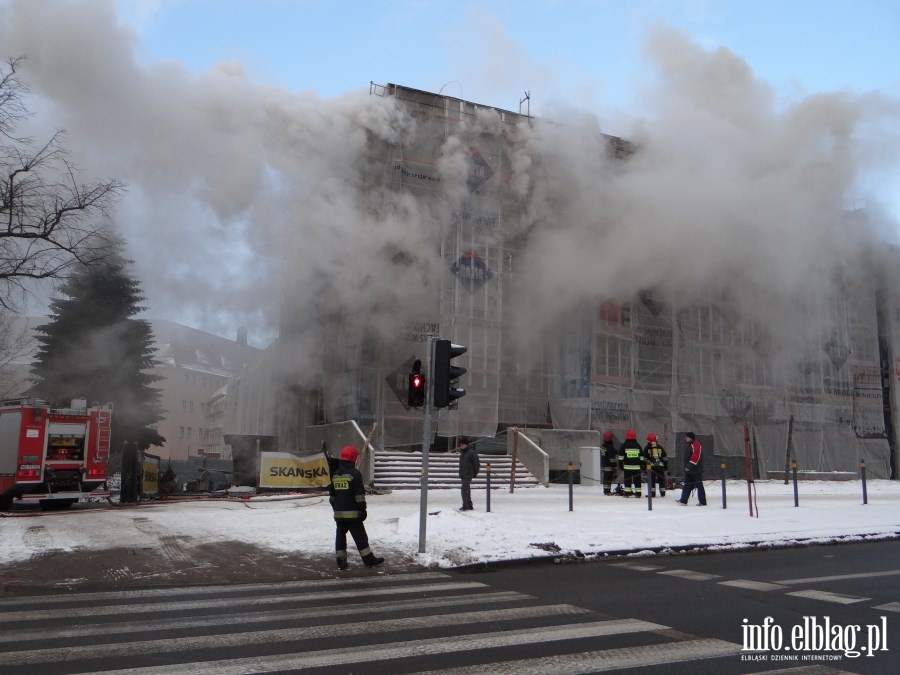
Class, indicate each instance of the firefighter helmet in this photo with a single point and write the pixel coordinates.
(651, 438)
(349, 454)
(630, 435)
(607, 435)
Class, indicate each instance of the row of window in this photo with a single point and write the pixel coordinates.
(185, 432)
(188, 406)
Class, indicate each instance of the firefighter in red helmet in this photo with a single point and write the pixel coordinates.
(609, 464)
(347, 495)
(631, 459)
(659, 465)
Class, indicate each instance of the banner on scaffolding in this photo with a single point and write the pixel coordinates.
(287, 471)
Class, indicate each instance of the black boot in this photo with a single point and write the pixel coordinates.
(342, 563)
(371, 560)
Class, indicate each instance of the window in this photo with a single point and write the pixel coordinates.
(180, 432)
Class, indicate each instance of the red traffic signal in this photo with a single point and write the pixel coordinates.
(415, 397)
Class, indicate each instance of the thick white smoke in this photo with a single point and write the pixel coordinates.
(232, 184)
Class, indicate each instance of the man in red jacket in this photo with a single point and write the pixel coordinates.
(693, 470)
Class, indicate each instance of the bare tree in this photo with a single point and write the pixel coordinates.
(17, 348)
(49, 219)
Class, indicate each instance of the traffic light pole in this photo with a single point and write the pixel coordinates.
(426, 444)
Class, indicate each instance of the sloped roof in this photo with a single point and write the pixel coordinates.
(181, 346)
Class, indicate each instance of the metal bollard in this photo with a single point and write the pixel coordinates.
(487, 477)
(571, 483)
(722, 467)
(862, 475)
(794, 471)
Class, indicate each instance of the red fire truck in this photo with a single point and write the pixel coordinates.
(55, 456)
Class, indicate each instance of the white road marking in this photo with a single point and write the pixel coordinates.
(142, 626)
(752, 585)
(604, 660)
(302, 633)
(890, 607)
(828, 597)
(398, 650)
(638, 567)
(243, 601)
(839, 577)
(231, 588)
(693, 576)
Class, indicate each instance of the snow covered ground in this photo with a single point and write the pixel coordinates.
(531, 522)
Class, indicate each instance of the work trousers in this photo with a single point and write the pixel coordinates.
(658, 476)
(632, 481)
(358, 531)
(609, 477)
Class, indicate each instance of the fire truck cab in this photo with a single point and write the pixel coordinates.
(55, 456)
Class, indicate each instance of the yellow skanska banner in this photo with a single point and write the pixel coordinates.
(287, 471)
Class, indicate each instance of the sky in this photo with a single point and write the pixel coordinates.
(224, 116)
(530, 522)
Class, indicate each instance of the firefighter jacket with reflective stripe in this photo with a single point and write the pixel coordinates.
(631, 456)
(608, 457)
(347, 493)
(657, 456)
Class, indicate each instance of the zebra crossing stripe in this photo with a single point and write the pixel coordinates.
(604, 660)
(752, 585)
(890, 607)
(277, 587)
(825, 596)
(123, 628)
(172, 645)
(691, 575)
(397, 650)
(839, 577)
(242, 602)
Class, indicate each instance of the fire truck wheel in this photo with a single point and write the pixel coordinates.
(56, 504)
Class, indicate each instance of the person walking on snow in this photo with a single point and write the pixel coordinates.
(347, 496)
(469, 466)
(659, 464)
(693, 470)
(609, 465)
(631, 459)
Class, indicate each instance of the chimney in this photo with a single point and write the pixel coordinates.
(242, 336)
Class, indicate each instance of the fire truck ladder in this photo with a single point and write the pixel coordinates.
(103, 424)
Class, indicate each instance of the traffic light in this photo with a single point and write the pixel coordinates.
(446, 375)
(415, 397)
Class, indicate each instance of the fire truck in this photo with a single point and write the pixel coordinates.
(54, 456)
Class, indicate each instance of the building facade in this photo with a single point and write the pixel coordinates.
(819, 388)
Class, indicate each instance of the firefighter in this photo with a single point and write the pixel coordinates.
(631, 459)
(609, 465)
(659, 464)
(348, 499)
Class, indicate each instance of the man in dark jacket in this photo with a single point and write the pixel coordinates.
(469, 466)
(693, 470)
(609, 465)
(631, 459)
(348, 499)
(659, 465)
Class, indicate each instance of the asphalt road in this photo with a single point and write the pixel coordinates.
(661, 614)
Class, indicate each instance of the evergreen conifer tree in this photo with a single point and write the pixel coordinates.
(93, 349)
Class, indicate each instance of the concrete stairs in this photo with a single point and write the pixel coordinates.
(402, 470)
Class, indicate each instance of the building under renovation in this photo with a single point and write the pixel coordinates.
(650, 361)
